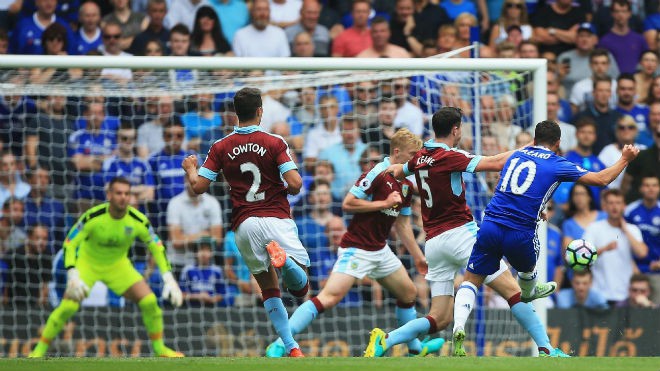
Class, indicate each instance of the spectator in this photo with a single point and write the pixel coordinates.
(568, 132)
(166, 168)
(150, 134)
(574, 64)
(639, 293)
(203, 283)
(26, 38)
(514, 13)
(646, 164)
(46, 134)
(12, 235)
(42, 209)
(446, 39)
(454, 8)
(645, 214)
(65, 9)
(191, 217)
(625, 44)
(11, 183)
(625, 91)
(31, 269)
(581, 294)
(618, 243)
(4, 41)
(285, 13)
(207, 38)
(651, 26)
(15, 113)
(380, 42)
(183, 12)
(582, 91)
(464, 23)
(600, 111)
(325, 133)
(197, 122)
(645, 137)
(112, 34)
(126, 165)
(8, 12)
(316, 215)
(379, 134)
(415, 21)
(582, 155)
(303, 46)
(356, 38)
(88, 148)
(237, 273)
(580, 213)
(556, 24)
(272, 39)
(528, 49)
(345, 156)
(233, 16)
(653, 94)
(309, 23)
(626, 132)
(156, 11)
(648, 63)
(54, 43)
(88, 37)
(130, 23)
(307, 112)
(408, 115)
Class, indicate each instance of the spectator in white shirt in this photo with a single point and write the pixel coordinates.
(259, 38)
(626, 132)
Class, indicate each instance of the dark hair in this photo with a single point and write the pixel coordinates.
(583, 273)
(153, 41)
(174, 120)
(10, 201)
(55, 30)
(585, 121)
(197, 36)
(547, 132)
(180, 28)
(648, 51)
(572, 209)
(378, 19)
(118, 179)
(625, 76)
(33, 227)
(599, 52)
(445, 119)
(4, 35)
(317, 183)
(126, 125)
(246, 103)
(606, 78)
(355, 2)
(610, 192)
(623, 3)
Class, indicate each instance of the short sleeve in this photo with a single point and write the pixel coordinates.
(567, 171)
(458, 160)
(365, 185)
(283, 157)
(213, 163)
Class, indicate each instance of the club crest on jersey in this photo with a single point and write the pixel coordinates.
(365, 183)
(404, 190)
(128, 231)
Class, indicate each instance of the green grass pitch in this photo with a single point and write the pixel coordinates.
(334, 364)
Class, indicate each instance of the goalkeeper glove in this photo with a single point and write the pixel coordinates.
(171, 290)
(75, 287)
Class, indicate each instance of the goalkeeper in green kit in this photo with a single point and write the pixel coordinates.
(96, 249)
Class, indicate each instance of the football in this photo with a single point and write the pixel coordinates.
(580, 255)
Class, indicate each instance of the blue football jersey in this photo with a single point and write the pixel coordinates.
(527, 182)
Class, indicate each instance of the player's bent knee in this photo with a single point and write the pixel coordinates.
(149, 305)
(329, 300)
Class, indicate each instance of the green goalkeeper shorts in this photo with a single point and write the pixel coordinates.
(119, 276)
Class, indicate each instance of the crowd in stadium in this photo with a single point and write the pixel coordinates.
(59, 151)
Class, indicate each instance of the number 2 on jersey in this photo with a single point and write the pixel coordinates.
(513, 174)
(252, 194)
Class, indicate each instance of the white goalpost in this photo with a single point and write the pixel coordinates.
(496, 95)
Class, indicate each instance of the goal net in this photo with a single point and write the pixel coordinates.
(69, 124)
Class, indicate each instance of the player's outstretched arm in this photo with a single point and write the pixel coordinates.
(607, 176)
(493, 163)
(199, 184)
(396, 170)
(353, 205)
(293, 181)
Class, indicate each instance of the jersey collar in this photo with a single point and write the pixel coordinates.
(431, 144)
(247, 129)
(386, 161)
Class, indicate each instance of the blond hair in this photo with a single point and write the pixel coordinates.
(404, 138)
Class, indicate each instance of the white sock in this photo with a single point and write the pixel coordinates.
(463, 304)
(527, 282)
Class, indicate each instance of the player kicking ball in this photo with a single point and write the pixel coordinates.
(527, 182)
(96, 249)
(379, 201)
(450, 231)
(254, 162)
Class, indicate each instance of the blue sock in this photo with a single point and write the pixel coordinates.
(293, 275)
(302, 317)
(408, 332)
(280, 319)
(526, 316)
(403, 316)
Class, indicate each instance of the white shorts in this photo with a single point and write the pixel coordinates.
(447, 254)
(255, 233)
(359, 263)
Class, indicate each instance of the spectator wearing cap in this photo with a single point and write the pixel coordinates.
(574, 63)
(625, 44)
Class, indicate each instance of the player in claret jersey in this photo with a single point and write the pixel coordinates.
(378, 201)
(527, 182)
(254, 162)
(449, 226)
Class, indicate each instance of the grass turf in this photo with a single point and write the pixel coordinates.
(333, 364)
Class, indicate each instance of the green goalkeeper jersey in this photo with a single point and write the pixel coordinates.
(102, 240)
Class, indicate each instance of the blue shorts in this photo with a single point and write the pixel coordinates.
(494, 241)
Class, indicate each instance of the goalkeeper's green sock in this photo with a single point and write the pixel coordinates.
(54, 325)
(152, 316)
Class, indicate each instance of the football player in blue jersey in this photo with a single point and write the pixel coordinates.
(527, 182)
